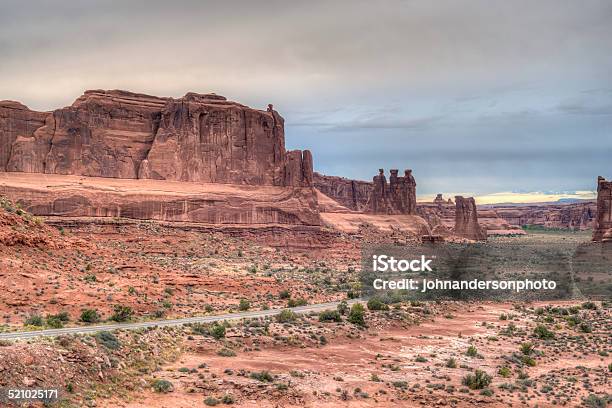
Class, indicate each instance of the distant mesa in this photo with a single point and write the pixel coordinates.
(121, 134)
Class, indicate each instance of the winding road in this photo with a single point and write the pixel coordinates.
(168, 322)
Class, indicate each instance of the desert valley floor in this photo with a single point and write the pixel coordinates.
(411, 354)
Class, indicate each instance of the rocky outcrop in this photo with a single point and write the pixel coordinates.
(199, 137)
(603, 226)
(352, 194)
(466, 219)
(396, 197)
(18, 124)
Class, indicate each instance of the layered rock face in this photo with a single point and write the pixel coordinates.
(396, 197)
(466, 219)
(603, 226)
(352, 194)
(119, 134)
(17, 125)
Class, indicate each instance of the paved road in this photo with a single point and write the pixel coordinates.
(170, 322)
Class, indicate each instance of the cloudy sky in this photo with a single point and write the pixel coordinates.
(480, 97)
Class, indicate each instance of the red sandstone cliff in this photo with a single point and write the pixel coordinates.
(119, 134)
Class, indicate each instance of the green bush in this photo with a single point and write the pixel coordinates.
(330, 316)
(228, 399)
(356, 315)
(263, 376)
(122, 313)
(543, 333)
(34, 320)
(90, 316)
(54, 322)
(471, 351)
(296, 302)
(504, 372)
(162, 386)
(343, 307)
(244, 305)
(451, 363)
(217, 331)
(284, 294)
(477, 381)
(211, 401)
(108, 340)
(377, 304)
(286, 316)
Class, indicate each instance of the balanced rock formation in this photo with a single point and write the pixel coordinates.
(466, 219)
(396, 197)
(119, 134)
(603, 226)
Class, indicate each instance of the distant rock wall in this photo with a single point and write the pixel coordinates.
(574, 216)
(119, 134)
(466, 219)
(352, 194)
(603, 226)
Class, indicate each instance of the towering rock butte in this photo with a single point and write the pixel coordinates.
(352, 194)
(120, 134)
(466, 219)
(603, 226)
(396, 197)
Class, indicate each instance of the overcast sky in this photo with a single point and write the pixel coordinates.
(474, 96)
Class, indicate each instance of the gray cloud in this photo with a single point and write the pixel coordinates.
(363, 84)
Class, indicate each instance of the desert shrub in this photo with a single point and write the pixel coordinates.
(504, 372)
(487, 392)
(54, 322)
(263, 376)
(376, 304)
(330, 316)
(211, 401)
(477, 381)
(228, 399)
(585, 327)
(90, 316)
(420, 359)
(284, 294)
(244, 305)
(108, 340)
(451, 363)
(596, 401)
(286, 316)
(121, 313)
(34, 320)
(217, 331)
(589, 305)
(356, 315)
(527, 348)
(471, 351)
(226, 352)
(343, 307)
(543, 333)
(162, 386)
(296, 302)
